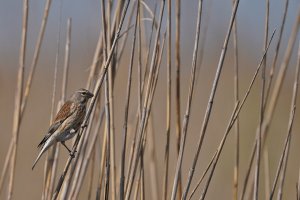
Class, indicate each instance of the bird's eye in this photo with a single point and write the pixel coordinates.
(83, 93)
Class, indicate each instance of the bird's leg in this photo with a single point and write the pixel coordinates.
(70, 152)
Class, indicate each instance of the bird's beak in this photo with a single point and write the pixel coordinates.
(90, 95)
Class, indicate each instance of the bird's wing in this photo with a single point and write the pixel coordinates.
(65, 111)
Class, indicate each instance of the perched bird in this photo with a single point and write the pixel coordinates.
(67, 122)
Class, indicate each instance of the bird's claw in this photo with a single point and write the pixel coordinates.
(84, 126)
(72, 153)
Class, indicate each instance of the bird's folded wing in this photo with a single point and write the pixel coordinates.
(65, 111)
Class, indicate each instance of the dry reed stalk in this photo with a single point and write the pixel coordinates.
(274, 61)
(107, 105)
(188, 106)
(248, 172)
(146, 109)
(77, 167)
(236, 114)
(102, 163)
(140, 87)
(18, 100)
(129, 168)
(125, 124)
(36, 54)
(107, 157)
(220, 147)
(152, 167)
(5, 166)
(211, 98)
(263, 103)
(153, 27)
(121, 48)
(250, 87)
(261, 113)
(236, 99)
(107, 91)
(79, 163)
(63, 97)
(244, 100)
(90, 187)
(168, 109)
(203, 175)
(290, 126)
(177, 86)
(48, 182)
(96, 61)
(152, 160)
(111, 75)
(72, 177)
(140, 92)
(269, 112)
(136, 192)
(285, 160)
(280, 78)
(266, 163)
(67, 60)
(141, 183)
(28, 83)
(203, 39)
(298, 187)
(283, 157)
(96, 92)
(83, 145)
(51, 174)
(74, 192)
(52, 161)
(140, 67)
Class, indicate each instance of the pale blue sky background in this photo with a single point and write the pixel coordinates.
(86, 23)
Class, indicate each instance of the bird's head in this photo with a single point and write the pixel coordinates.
(82, 95)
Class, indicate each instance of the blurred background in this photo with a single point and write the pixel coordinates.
(86, 26)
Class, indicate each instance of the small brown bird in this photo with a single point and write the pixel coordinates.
(67, 122)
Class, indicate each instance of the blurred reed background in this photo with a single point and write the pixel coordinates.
(160, 106)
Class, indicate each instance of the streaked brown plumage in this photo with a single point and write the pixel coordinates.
(67, 121)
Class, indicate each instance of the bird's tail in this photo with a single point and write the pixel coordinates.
(48, 143)
(37, 159)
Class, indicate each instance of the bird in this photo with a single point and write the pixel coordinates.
(66, 122)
